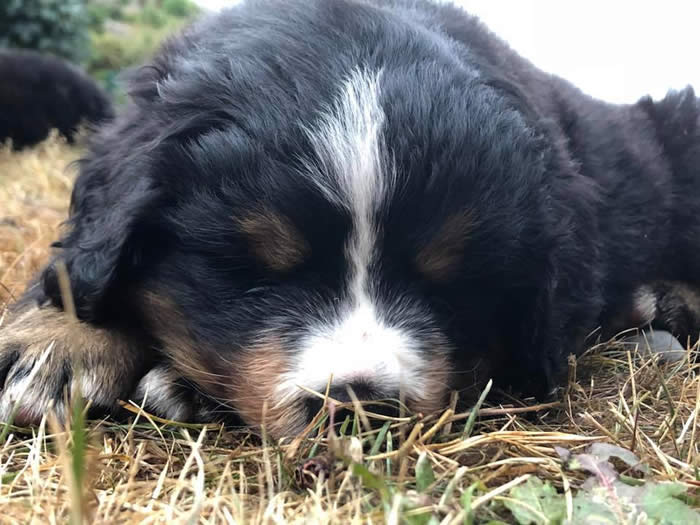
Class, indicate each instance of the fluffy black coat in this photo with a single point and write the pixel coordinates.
(577, 203)
(39, 93)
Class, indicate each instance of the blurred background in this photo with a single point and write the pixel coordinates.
(616, 51)
(102, 36)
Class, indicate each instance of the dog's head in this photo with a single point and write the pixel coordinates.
(298, 200)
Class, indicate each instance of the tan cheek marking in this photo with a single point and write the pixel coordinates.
(274, 240)
(170, 327)
(249, 380)
(257, 375)
(441, 258)
(437, 377)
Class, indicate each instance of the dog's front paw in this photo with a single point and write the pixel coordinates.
(677, 310)
(165, 393)
(45, 356)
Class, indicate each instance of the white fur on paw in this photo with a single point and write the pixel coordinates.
(159, 393)
(645, 304)
(31, 390)
(46, 356)
(25, 395)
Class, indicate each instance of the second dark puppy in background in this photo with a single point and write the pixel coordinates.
(40, 92)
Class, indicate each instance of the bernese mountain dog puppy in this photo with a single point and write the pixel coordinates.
(41, 92)
(353, 193)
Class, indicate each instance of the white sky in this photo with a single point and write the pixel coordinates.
(617, 50)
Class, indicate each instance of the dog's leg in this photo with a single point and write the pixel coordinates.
(165, 393)
(670, 308)
(676, 309)
(45, 355)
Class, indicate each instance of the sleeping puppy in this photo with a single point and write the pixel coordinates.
(40, 92)
(375, 195)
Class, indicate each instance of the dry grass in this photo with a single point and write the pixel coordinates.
(34, 193)
(156, 471)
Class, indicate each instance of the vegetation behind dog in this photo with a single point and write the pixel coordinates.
(620, 445)
(104, 36)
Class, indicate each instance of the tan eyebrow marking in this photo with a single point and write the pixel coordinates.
(441, 257)
(274, 240)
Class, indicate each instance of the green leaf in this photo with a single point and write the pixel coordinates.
(380, 439)
(466, 501)
(660, 501)
(424, 473)
(536, 502)
(651, 503)
(425, 518)
(344, 427)
(8, 477)
(78, 452)
(588, 511)
(389, 448)
(471, 420)
(372, 481)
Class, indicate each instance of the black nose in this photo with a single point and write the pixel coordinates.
(372, 399)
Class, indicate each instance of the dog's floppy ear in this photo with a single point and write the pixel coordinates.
(111, 201)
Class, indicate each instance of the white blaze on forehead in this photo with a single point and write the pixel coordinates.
(354, 172)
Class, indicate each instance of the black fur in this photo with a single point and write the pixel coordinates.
(578, 202)
(39, 93)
